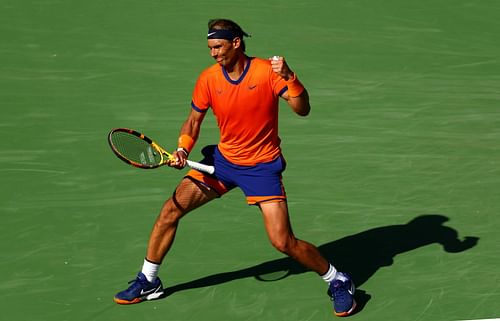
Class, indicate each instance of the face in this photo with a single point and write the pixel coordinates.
(224, 51)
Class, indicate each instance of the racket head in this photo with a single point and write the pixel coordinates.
(137, 149)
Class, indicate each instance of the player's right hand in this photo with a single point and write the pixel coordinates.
(179, 159)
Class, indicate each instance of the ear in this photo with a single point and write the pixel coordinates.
(236, 42)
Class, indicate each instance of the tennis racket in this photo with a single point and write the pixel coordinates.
(138, 150)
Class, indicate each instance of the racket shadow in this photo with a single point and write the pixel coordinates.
(361, 254)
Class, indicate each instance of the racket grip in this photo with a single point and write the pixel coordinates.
(201, 167)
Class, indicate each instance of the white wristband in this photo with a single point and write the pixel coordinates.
(180, 149)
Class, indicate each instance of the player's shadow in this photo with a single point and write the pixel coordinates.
(361, 254)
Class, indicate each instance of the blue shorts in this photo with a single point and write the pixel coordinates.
(260, 183)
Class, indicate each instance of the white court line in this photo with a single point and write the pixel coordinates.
(496, 319)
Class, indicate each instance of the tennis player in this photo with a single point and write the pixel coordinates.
(243, 93)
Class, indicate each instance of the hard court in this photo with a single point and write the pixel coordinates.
(395, 174)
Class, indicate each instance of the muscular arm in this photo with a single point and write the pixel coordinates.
(190, 127)
(299, 104)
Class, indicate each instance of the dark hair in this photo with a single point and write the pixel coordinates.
(226, 24)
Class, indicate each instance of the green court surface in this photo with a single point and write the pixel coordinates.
(395, 175)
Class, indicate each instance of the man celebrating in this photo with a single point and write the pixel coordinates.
(243, 93)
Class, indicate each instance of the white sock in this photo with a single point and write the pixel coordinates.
(333, 274)
(150, 270)
(330, 275)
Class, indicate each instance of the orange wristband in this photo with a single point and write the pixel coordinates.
(186, 142)
(295, 87)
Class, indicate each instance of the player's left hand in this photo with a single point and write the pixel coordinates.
(279, 66)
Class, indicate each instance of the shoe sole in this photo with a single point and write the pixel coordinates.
(347, 313)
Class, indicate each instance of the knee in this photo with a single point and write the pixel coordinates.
(170, 214)
(284, 244)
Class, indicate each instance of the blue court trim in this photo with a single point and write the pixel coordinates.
(198, 109)
(282, 91)
(236, 82)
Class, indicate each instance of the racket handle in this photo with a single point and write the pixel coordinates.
(201, 167)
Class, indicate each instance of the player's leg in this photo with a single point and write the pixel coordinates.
(279, 230)
(188, 195)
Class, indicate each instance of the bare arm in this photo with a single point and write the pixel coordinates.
(192, 124)
(299, 104)
(190, 127)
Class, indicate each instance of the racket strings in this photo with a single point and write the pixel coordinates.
(135, 149)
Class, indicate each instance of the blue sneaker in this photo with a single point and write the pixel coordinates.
(140, 290)
(341, 292)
